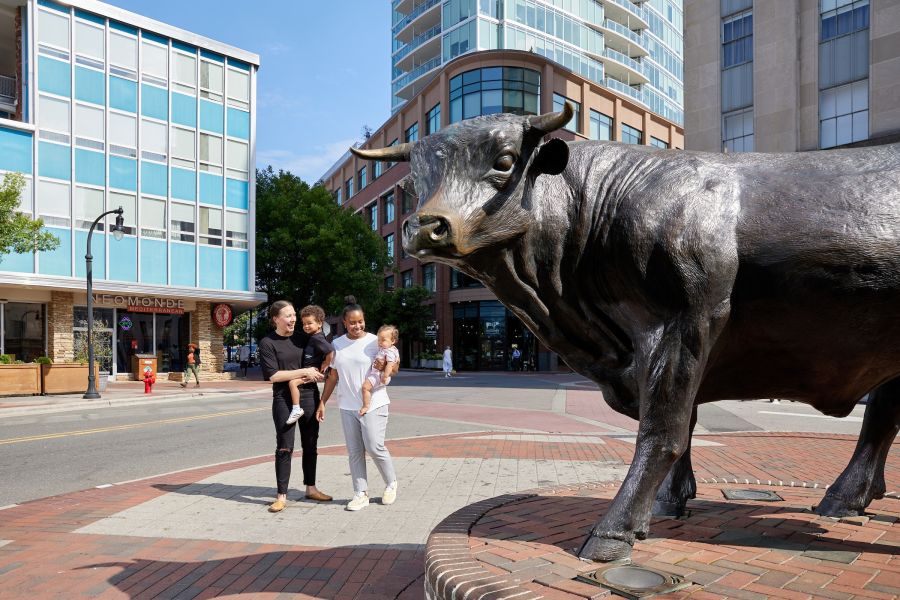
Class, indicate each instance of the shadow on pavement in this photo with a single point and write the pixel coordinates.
(259, 495)
(533, 380)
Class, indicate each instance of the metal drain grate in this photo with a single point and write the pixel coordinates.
(758, 495)
(634, 581)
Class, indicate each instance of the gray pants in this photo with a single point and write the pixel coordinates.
(366, 434)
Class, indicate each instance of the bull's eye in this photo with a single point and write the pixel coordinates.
(504, 162)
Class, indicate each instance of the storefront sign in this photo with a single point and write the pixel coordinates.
(222, 315)
(125, 323)
(431, 331)
(141, 304)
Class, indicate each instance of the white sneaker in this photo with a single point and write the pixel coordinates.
(390, 494)
(295, 415)
(359, 501)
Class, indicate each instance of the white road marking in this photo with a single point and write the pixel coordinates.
(793, 414)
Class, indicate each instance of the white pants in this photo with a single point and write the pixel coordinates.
(366, 434)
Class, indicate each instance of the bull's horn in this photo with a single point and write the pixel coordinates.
(552, 121)
(398, 153)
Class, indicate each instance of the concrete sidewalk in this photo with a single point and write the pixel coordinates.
(206, 532)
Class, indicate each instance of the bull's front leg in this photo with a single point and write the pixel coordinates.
(673, 370)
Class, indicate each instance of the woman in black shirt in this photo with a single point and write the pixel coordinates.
(281, 356)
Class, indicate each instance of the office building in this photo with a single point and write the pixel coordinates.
(101, 108)
(791, 75)
(618, 62)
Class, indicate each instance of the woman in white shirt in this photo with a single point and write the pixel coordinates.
(353, 356)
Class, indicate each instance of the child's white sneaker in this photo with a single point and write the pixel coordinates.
(295, 415)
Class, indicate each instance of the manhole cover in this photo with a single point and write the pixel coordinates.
(760, 495)
(633, 581)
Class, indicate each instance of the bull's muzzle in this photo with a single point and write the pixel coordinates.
(423, 233)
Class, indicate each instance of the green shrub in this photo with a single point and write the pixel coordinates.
(6, 359)
(43, 360)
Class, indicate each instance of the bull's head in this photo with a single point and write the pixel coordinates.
(473, 180)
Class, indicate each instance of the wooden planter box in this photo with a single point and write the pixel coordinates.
(17, 380)
(66, 378)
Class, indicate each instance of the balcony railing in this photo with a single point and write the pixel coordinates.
(625, 60)
(414, 14)
(640, 40)
(416, 42)
(405, 80)
(8, 92)
(626, 89)
(639, 11)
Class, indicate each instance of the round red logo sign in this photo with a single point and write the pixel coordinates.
(222, 315)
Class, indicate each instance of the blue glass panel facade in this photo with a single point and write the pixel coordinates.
(184, 110)
(98, 254)
(153, 261)
(210, 267)
(90, 85)
(90, 167)
(123, 173)
(183, 264)
(54, 160)
(15, 150)
(122, 94)
(210, 189)
(17, 263)
(54, 76)
(237, 270)
(184, 184)
(154, 102)
(238, 123)
(123, 259)
(59, 261)
(153, 178)
(237, 194)
(212, 116)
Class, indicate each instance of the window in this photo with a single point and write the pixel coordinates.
(182, 222)
(840, 17)
(389, 283)
(630, 135)
(153, 218)
(373, 216)
(737, 131)
(349, 188)
(54, 116)
(460, 40)
(210, 226)
(433, 119)
(239, 88)
(362, 178)
(493, 90)
(88, 205)
(406, 201)
(389, 240)
(337, 197)
(154, 63)
(212, 80)
(211, 153)
(658, 143)
(389, 208)
(843, 72)
(53, 202)
(428, 278)
(236, 229)
(122, 134)
(184, 77)
(53, 33)
(183, 151)
(412, 133)
(844, 114)
(394, 143)
(461, 280)
(238, 159)
(378, 166)
(89, 127)
(122, 54)
(406, 279)
(89, 44)
(737, 39)
(153, 140)
(574, 123)
(129, 205)
(601, 126)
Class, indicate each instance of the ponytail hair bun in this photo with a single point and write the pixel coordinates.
(350, 306)
(349, 300)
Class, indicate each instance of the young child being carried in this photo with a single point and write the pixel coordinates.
(318, 353)
(387, 352)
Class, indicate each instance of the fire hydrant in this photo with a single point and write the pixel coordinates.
(149, 380)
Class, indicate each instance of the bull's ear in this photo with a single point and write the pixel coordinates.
(552, 157)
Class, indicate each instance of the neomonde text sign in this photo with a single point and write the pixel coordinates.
(145, 304)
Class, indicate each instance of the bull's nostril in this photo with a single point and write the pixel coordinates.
(440, 230)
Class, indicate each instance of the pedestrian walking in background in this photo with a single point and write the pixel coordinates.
(448, 361)
(244, 358)
(516, 359)
(191, 365)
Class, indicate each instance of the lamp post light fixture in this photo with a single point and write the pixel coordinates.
(118, 230)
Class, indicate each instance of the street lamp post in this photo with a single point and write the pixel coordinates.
(118, 231)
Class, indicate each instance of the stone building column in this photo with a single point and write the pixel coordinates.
(60, 321)
(208, 338)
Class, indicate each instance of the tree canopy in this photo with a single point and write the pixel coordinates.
(311, 251)
(18, 232)
(404, 308)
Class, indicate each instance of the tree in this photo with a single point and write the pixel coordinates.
(20, 233)
(311, 251)
(404, 308)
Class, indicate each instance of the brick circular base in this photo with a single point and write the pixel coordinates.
(523, 546)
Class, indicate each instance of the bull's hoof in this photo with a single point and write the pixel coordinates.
(832, 506)
(663, 508)
(600, 549)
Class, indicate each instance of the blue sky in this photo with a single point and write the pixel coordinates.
(324, 69)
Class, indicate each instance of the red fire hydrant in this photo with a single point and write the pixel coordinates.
(149, 380)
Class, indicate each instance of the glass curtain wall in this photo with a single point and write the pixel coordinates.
(484, 334)
(23, 330)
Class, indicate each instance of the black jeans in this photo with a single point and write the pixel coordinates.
(284, 437)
